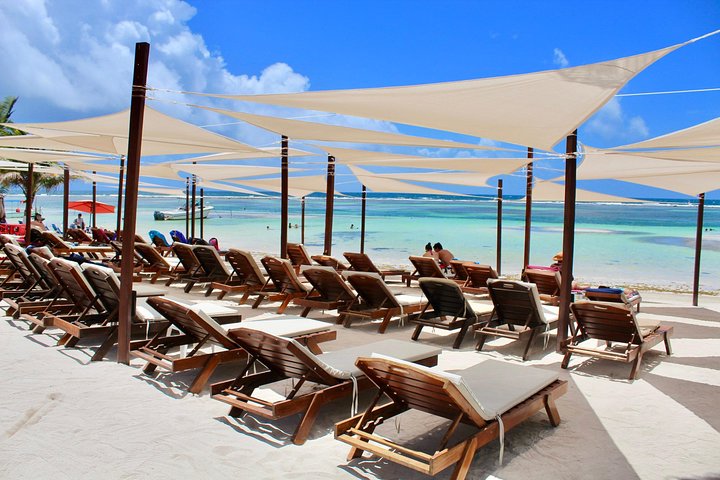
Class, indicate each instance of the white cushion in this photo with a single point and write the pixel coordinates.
(481, 307)
(284, 326)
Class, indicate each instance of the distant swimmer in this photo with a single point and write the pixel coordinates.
(352, 225)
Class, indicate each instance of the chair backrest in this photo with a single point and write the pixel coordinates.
(19, 259)
(328, 283)
(106, 285)
(73, 282)
(212, 263)
(178, 236)
(194, 323)
(547, 281)
(371, 288)
(284, 356)
(458, 267)
(245, 266)
(78, 235)
(298, 255)
(328, 261)
(54, 240)
(282, 274)
(185, 253)
(42, 265)
(360, 262)
(478, 275)
(446, 298)
(8, 239)
(606, 321)
(151, 256)
(516, 303)
(427, 267)
(158, 239)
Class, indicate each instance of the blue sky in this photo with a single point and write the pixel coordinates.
(72, 59)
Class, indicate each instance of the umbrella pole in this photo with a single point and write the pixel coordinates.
(363, 204)
(66, 198)
(499, 226)
(528, 209)
(94, 196)
(568, 240)
(698, 249)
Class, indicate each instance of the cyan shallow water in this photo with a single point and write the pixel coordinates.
(615, 243)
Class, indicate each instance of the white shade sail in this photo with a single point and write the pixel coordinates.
(536, 109)
(223, 172)
(226, 188)
(598, 164)
(34, 141)
(35, 156)
(382, 183)
(456, 178)
(687, 183)
(496, 166)
(554, 192)
(159, 170)
(298, 186)
(703, 135)
(268, 153)
(162, 135)
(302, 130)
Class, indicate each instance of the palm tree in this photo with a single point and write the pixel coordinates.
(9, 179)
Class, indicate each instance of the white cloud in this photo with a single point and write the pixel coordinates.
(611, 123)
(559, 58)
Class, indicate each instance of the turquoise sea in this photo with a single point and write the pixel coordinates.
(648, 244)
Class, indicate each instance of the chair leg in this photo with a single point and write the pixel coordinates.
(284, 304)
(529, 343)
(416, 333)
(258, 301)
(221, 295)
(463, 465)
(308, 419)
(566, 360)
(386, 321)
(204, 375)
(110, 340)
(305, 311)
(552, 411)
(481, 341)
(209, 290)
(668, 348)
(460, 336)
(636, 366)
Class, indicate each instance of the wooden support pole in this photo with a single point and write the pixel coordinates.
(362, 219)
(66, 198)
(121, 182)
(202, 213)
(284, 193)
(329, 205)
(191, 233)
(302, 220)
(187, 205)
(568, 240)
(28, 201)
(94, 200)
(698, 249)
(528, 209)
(137, 110)
(499, 226)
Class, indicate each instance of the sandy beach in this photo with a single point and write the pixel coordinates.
(64, 417)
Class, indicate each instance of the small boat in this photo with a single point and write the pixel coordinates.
(180, 213)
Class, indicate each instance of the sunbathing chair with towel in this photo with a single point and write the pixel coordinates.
(611, 322)
(325, 377)
(492, 397)
(617, 295)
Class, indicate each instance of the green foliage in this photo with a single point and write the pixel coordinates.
(6, 111)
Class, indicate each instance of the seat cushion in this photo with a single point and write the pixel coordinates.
(283, 326)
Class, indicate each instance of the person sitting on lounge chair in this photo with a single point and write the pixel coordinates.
(429, 252)
(443, 255)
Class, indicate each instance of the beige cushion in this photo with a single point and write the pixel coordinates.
(284, 326)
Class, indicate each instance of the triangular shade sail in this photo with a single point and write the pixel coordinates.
(35, 156)
(223, 172)
(536, 109)
(466, 179)
(301, 130)
(709, 154)
(496, 166)
(159, 170)
(268, 153)
(162, 134)
(298, 186)
(555, 192)
(703, 135)
(381, 183)
(598, 164)
(34, 141)
(226, 188)
(687, 183)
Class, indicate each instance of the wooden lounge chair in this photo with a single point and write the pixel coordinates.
(26, 276)
(153, 262)
(78, 235)
(61, 247)
(360, 262)
(477, 277)
(375, 300)
(49, 284)
(615, 295)
(458, 268)
(328, 261)
(329, 290)
(447, 309)
(160, 242)
(547, 282)
(189, 270)
(207, 325)
(246, 269)
(286, 284)
(298, 255)
(480, 396)
(333, 374)
(425, 267)
(216, 270)
(518, 313)
(611, 322)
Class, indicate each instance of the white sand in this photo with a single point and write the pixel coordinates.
(62, 417)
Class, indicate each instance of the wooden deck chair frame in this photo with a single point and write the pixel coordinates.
(517, 306)
(425, 267)
(79, 236)
(287, 285)
(548, 284)
(61, 247)
(40, 289)
(447, 309)
(298, 255)
(216, 271)
(153, 261)
(374, 300)
(458, 268)
(360, 262)
(611, 322)
(410, 387)
(596, 295)
(329, 290)
(328, 261)
(28, 276)
(284, 359)
(477, 277)
(247, 270)
(189, 270)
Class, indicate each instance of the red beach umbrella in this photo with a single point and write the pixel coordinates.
(87, 206)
